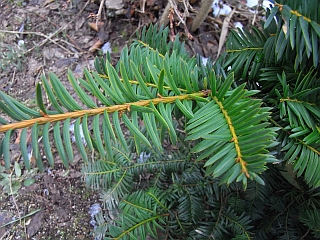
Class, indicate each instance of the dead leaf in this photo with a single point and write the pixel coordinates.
(224, 31)
(43, 114)
(78, 72)
(95, 46)
(96, 27)
(75, 174)
(290, 175)
(17, 141)
(285, 27)
(48, 2)
(79, 23)
(64, 62)
(33, 161)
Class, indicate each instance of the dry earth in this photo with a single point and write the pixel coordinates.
(56, 35)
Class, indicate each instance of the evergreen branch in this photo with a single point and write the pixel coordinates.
(239, 225)
(317, 152)
(104, 172)
(120, 151)
(96, 111)
(311, 218)
(148, 84)
(245, 52)
(234, 138)
(115, 193)
(196, 184)
(124, 174)
(135, 166)
(149, 47)
(136, 206)
(297, 30)
(304, 158)
(233, 135)
(244, 49)
(180, 224)
(157, 200)
(296, 100)
(294, 12)
(141, 223)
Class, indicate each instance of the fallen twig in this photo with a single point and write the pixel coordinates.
(98, 16)
(75, 45)
(38, 34)
(62, 28)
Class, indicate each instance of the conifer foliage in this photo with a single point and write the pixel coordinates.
(184, 150)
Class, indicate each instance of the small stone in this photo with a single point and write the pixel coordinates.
(114, 4)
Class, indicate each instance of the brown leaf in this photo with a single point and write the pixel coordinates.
(17, 141)
(285, 27)
(48, 2)
(224, 31)
(95, 46)
(79, 23)
(33, 161)
(95, 26)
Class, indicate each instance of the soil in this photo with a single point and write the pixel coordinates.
(57, 36)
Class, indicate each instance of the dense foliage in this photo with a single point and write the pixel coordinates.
(184, 150)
